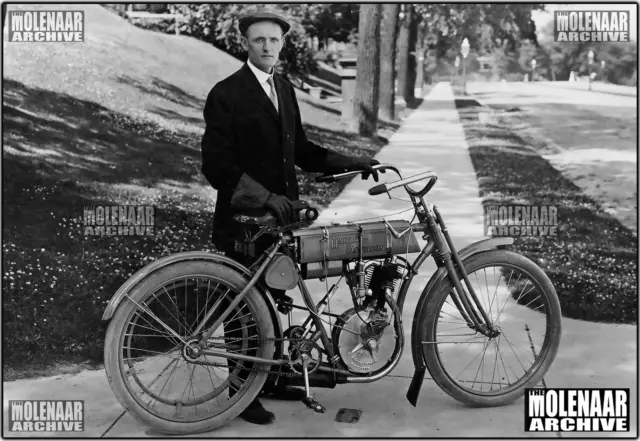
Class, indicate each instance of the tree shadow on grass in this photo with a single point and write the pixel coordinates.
(173, 115)
(71, 139)
(164, 90)
(592, 261)
(58, 148)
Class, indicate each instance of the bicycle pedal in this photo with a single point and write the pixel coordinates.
(313, 404)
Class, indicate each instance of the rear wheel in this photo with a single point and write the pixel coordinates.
(150, 368)
(521, 302)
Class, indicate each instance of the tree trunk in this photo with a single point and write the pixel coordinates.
(388, 32)
(365, 100)
(420, 50)
(403, 49)
(411, 62)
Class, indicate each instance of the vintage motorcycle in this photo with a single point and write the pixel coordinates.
(194, 362)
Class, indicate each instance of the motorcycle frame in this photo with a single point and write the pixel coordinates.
(439, 245)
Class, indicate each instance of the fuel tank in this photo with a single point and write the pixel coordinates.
(343, 242)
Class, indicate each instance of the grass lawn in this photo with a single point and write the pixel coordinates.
(116, 120)
(596, 152)
(593, 260)
(591, 138)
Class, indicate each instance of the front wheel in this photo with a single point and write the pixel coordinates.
(521, 302)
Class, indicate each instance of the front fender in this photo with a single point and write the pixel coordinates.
(434, 282)
(484, 245)
(163, 262)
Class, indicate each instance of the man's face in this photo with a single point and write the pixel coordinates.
(263, 42)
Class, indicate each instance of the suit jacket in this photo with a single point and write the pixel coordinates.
(246, 136)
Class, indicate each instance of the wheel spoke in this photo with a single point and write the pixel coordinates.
(168, 335)
(153, 316)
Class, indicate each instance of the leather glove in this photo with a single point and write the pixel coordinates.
(365, 164)
(282, 207)
(286, 210)
(249, 194)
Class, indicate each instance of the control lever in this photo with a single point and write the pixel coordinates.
(333, 178)
(378, 189)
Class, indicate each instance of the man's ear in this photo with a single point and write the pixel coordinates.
(244, 42)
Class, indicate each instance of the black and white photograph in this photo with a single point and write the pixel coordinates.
(322, 220)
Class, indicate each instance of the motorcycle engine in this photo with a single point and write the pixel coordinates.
(365, 337)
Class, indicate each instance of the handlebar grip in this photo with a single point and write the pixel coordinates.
(378, 189)
(311, 214)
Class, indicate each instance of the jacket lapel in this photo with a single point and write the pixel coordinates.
(284, 101)
(287, 123)
(258, 94)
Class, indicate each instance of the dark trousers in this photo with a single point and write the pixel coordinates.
(233, 328)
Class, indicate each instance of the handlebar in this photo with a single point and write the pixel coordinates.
(349, 174)
(387, 187)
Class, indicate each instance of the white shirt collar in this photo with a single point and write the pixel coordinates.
(260, 75)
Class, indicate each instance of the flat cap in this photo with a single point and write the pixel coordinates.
(247, 20)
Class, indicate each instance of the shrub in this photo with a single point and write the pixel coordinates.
(164, 25)
(218, 25)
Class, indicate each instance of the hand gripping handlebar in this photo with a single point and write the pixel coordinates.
(386, 187)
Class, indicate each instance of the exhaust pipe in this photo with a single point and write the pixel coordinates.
(319, 378)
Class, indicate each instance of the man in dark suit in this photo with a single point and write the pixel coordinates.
(252, 142)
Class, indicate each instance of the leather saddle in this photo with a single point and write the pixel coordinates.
(259, 216)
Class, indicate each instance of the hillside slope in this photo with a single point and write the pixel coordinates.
(164, 78)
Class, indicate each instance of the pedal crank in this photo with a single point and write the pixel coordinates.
(309, 401)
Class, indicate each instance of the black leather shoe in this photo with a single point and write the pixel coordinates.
(256, 414)
(285, 393)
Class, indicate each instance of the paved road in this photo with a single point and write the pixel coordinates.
(518, 93)
(613, 89)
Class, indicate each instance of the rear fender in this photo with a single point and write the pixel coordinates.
(145, 272)
(434, 283)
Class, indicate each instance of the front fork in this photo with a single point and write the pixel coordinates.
(476, 318)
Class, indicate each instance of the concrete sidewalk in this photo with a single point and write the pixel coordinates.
(431, 138)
